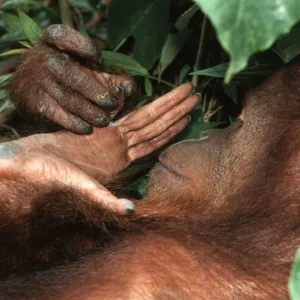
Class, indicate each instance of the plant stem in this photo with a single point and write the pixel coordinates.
(120, 45)
(162, 81)
(65, 13)
(196, 67)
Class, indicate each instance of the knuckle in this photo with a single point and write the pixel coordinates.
(151, 112)
(55, 30)
(171, 98)
(159, 124)
(180, 110)
(131, 138)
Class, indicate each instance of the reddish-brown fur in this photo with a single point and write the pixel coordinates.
(221, 219)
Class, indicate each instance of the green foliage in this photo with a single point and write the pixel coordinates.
(250, 71)
(288, 46)
(164, 43)
(294, 282)
(146, 20)
(12, 52)
(172, 47)
(31, 29)
(245, 27)
(16, 3)
(148, 87)
(115, 59)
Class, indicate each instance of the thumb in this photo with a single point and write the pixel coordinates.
(47, 168)
(93, 191)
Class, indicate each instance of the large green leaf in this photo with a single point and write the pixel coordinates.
(146, 20)
(247, 26)
(294, 282)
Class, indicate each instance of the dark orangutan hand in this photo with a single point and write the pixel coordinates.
(65, 160)
(60, 79)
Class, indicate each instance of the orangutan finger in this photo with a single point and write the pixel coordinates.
(49, 108)
(48, 168)
(150, 112)
(120, 80)
(119, 86)
(108, 201)
(76, 104)
(92, 190)
(70, 74)
(161, 124)
(154, 144)
(67, 39)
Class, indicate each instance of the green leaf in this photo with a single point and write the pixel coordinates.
(294, 281)
(148, 87)
(30, 27)
(25, 44)
(220, 71)
(183, 21)
(5, 77)
(10, 22)
(231, 90)
(13, 52)
(288, 46)
(13, 36)
(215, 71)
(247, 26)
(5, 105)
(194, 130)
(3, 94)
(119, 60)
(172, 47)
(140, 186)
(146, 20)
(183, 73)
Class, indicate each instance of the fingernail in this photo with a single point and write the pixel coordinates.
(89, 129)
(129, 90)
(129, 207)
(196, 93)
(117, 90)
(189, 118)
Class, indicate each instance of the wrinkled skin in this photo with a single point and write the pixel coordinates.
(60, 80)
(60, 176)
(55, 157)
